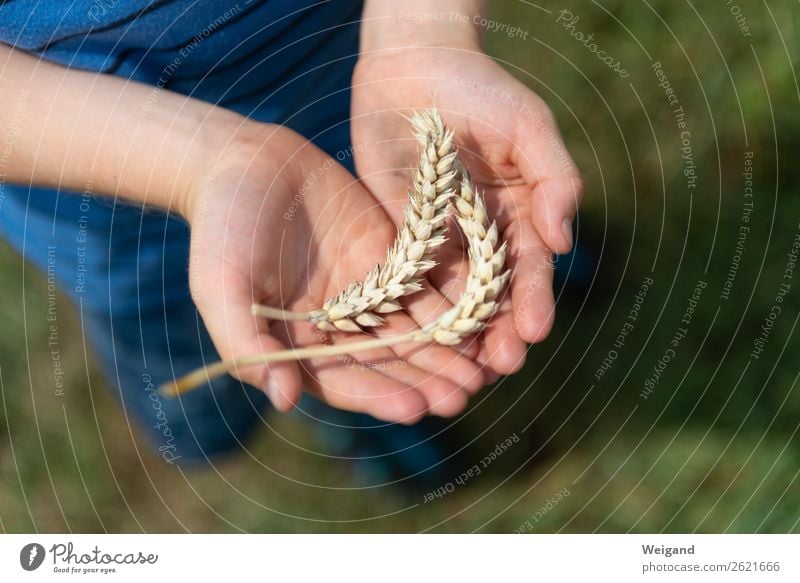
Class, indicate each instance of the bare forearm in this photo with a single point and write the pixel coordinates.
(69, 128)
(389, 24)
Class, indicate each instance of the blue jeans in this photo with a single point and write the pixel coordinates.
(126, 272)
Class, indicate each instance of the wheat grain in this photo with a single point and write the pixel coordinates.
(476, 305)
(410, 257)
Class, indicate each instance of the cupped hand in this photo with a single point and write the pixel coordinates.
(276, 221)
(511, 145)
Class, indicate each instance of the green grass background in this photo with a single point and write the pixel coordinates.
(715, 448)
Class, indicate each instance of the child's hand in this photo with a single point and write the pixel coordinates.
(511, 145)
(276, 221)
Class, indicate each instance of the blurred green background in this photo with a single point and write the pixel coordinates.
(712, 448)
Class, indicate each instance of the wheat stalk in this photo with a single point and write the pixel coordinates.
(410, 257)
(479, 302)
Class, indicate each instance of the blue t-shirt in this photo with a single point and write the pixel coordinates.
(266, 59)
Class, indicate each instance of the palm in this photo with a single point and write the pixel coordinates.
(254, 241)
(512, 148)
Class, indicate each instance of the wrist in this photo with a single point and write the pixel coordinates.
(223, 139)
(421, 24)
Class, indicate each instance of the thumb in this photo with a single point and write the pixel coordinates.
(236, 333)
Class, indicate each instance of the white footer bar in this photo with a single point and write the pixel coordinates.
(400, 558)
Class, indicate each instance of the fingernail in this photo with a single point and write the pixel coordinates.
(273, 391)
(566, 227)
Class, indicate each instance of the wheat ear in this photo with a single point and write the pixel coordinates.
(410, 257)
(479, 302)
(487, 274)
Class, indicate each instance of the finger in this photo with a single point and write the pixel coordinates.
(527, 312)
(531, 284)
(435, 359)
(236, 333)
(483, 358)
(505, 351)
(491, 376)
(444, 397)
(364, 390)
(545, 164)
